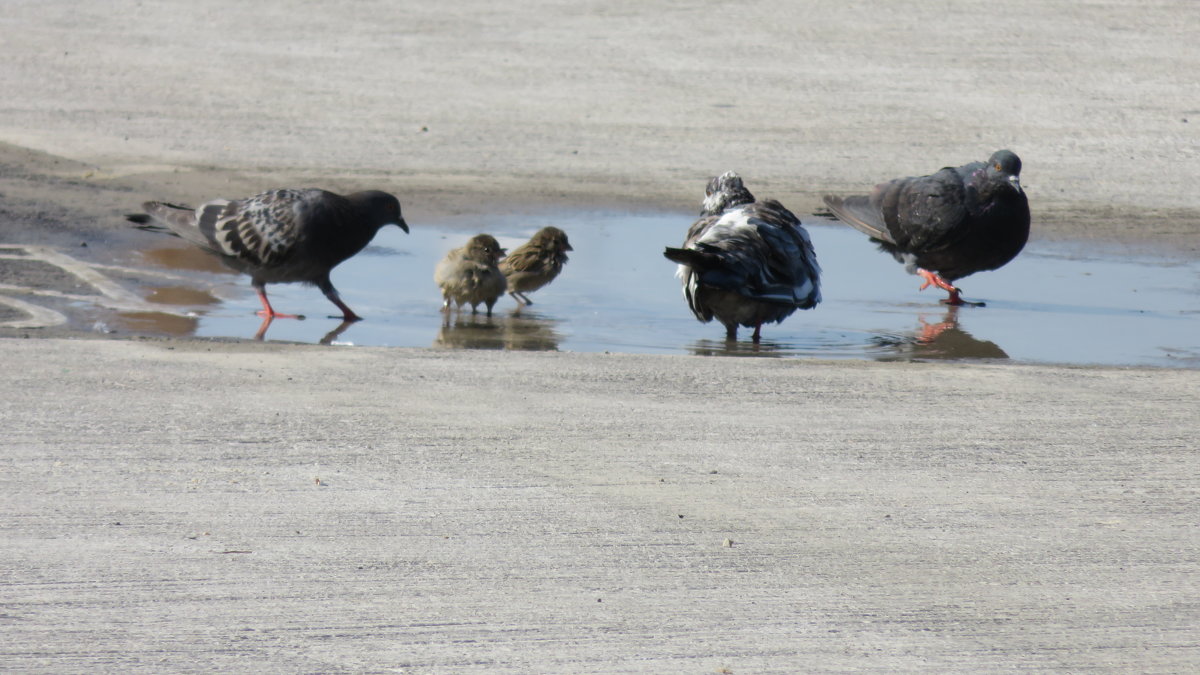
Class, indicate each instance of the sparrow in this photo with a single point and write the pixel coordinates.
(470, 274)
(535, 263)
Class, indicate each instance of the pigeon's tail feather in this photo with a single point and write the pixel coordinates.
(170, 218)
(698, 260)
(147, 223)
(859, 213)
(171, 215)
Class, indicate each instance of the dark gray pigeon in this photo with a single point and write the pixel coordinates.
(947, 225)
(281, 236)
(746, 262)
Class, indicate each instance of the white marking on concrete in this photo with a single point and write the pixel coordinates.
(39, 317)
(112, 295)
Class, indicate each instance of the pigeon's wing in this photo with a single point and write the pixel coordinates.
(923, 213)
(789, 270)
(700, 227)
(262, 230)
(860, 213)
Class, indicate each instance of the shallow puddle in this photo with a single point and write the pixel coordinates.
(618, 294)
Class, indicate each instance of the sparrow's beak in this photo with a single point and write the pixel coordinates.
(401, 224)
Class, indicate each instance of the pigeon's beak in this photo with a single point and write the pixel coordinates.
(401, 224)
(1015, 182)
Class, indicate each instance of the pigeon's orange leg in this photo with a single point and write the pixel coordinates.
(347, 313)
(269, 312)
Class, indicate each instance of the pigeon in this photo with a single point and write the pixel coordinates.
(746, 262)
(281, 236)
(947, 225)
(470, 275)
(535, 263)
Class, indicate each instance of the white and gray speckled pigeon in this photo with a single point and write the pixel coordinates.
(746, 262)
(281, 236)
(947, 225)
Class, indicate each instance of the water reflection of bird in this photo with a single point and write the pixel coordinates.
(336, 333)
(469, 333)
(162, 323)
(729, 348)
(281, 236)
(947, 225)
(746, 262)
(535, 263)
(942, 340)
(530, 334)
(515, 332)
(470, 275)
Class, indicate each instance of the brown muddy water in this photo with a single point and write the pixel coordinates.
(1053, 304)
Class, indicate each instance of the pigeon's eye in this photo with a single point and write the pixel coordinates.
(997, 165)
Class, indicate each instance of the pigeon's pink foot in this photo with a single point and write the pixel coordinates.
(935, 279)
(268, 312)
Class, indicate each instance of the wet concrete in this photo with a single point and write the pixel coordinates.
(1055, 303)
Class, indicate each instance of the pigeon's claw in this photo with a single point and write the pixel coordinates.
(271, 314)
(955, 300)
